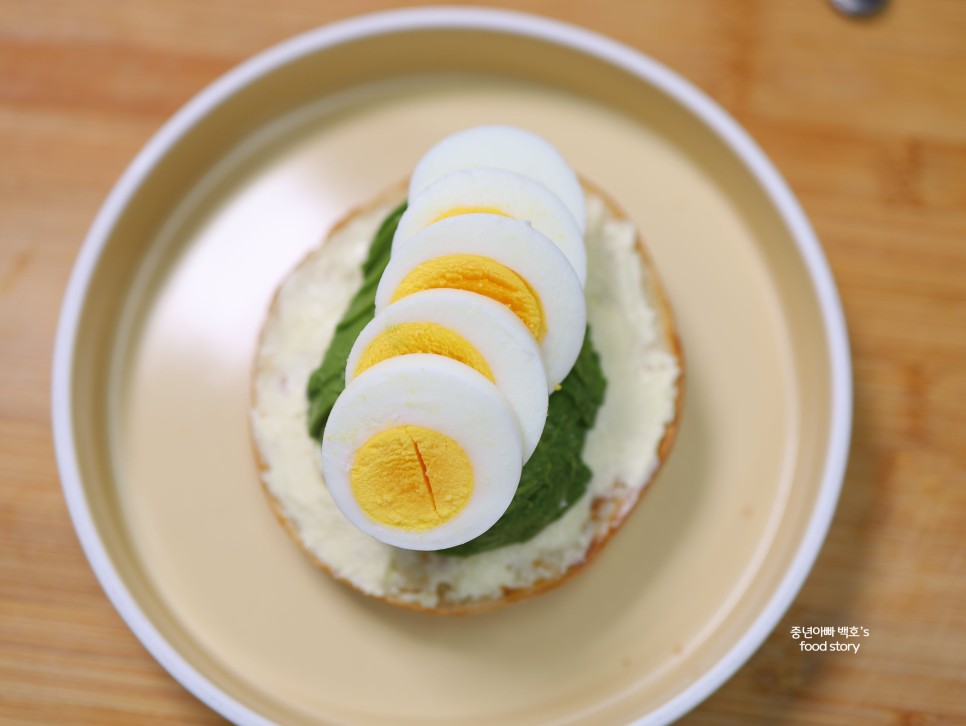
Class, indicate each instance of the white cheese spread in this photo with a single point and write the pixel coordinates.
(621, 449)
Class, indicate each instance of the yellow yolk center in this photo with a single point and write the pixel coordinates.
(411, 477)
(408, 338)
(480, 275)
(457, 211)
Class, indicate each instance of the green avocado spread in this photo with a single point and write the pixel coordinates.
(554, 477)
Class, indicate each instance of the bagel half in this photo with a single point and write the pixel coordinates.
(633, 330)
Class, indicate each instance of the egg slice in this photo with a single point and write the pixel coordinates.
(496, 191)
(502, 147)
(503, 259)
(422, 452)
(469, 328)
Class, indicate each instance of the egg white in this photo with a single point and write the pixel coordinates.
(439, 394)
(511, 193)
(524, 250)
(497, 334)
(502, 147)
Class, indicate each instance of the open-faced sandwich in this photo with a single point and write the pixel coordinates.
(459, 398)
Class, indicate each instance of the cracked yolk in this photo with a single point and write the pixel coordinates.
(481, 275)
(408, 338)
(411, 477)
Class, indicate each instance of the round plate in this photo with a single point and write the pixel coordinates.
(158, 330)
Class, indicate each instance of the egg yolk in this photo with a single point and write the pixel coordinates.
(411, 477)
(408, 338)
(457, 211)
(482, 275)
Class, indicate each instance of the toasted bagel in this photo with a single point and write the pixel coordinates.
(633, 329)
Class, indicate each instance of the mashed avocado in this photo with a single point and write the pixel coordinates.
(555, 476)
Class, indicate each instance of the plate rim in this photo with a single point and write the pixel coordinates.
(536, 27)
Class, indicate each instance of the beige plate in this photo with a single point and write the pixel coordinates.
(159, 326)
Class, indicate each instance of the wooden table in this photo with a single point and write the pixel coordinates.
(867, 120)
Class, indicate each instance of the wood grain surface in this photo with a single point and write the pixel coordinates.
(867, 120)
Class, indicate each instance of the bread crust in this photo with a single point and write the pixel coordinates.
(632, 495)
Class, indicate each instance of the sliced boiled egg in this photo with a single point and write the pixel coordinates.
(472, 329)
(496, 191)
(502, 147)
(422, 452)
(503, 259)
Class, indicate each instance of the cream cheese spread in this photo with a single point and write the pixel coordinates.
(621, 449)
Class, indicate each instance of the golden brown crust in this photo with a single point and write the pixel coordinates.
(658, 298)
